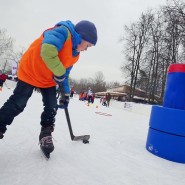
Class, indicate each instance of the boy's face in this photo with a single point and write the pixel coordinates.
(83, 46)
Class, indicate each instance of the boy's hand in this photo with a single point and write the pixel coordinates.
(59, 79)
(63, 102)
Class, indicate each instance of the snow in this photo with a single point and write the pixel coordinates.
(116, 154)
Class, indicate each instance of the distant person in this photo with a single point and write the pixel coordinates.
(84, 96)
(72, 92)
(101, 100)
(90, 95)
(93, 97)
(80, 95)
(3, 78)
(104, 102)
(108, 98)
(48, 62)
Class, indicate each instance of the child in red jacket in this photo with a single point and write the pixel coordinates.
(3, 78)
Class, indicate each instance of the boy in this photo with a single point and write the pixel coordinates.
(47, 63)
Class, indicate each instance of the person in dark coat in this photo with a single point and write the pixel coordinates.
(108, 97)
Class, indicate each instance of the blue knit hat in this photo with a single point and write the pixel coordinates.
(87, 30)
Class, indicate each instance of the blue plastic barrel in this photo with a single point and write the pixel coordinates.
(168, 120)
(174, 96)
(167, 146)
(166, 134)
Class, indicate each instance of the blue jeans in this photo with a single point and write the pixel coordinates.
(17, 102)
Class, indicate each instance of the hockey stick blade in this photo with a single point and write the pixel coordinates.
(84, 138)
(81, 138)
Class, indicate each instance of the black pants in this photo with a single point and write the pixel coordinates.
(17, 102)
(1, 82)
(90, 99)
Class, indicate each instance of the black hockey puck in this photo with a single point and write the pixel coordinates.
(85, 141)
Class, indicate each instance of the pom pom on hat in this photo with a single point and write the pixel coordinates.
(87, 30)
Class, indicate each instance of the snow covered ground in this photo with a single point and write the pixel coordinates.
(116, 154)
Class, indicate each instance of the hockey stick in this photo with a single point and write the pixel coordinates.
(84, 138)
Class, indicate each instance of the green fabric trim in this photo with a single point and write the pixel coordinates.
(68, 35)
(49, 55)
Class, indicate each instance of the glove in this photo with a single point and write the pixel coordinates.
(62, 81)
(59, 79)
(63, 102)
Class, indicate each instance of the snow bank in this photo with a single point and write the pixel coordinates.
(116, 154)
(143, 109)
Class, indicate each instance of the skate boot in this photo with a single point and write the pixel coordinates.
(45, 140)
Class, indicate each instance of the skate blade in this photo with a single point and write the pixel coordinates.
(45, 154)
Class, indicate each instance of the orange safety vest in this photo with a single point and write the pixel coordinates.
(33, 70)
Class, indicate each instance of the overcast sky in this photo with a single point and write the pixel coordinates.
(26, 20)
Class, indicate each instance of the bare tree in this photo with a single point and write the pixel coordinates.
(7, 53)
(134, 48)
(173, 31)
(152, 44)
(6, 42)
(99, 82)
(6, 46)
(110, 85)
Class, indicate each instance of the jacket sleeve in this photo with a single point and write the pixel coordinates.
(65, 83)
(52, 43)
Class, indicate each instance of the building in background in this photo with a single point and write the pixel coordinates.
(121, 93)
